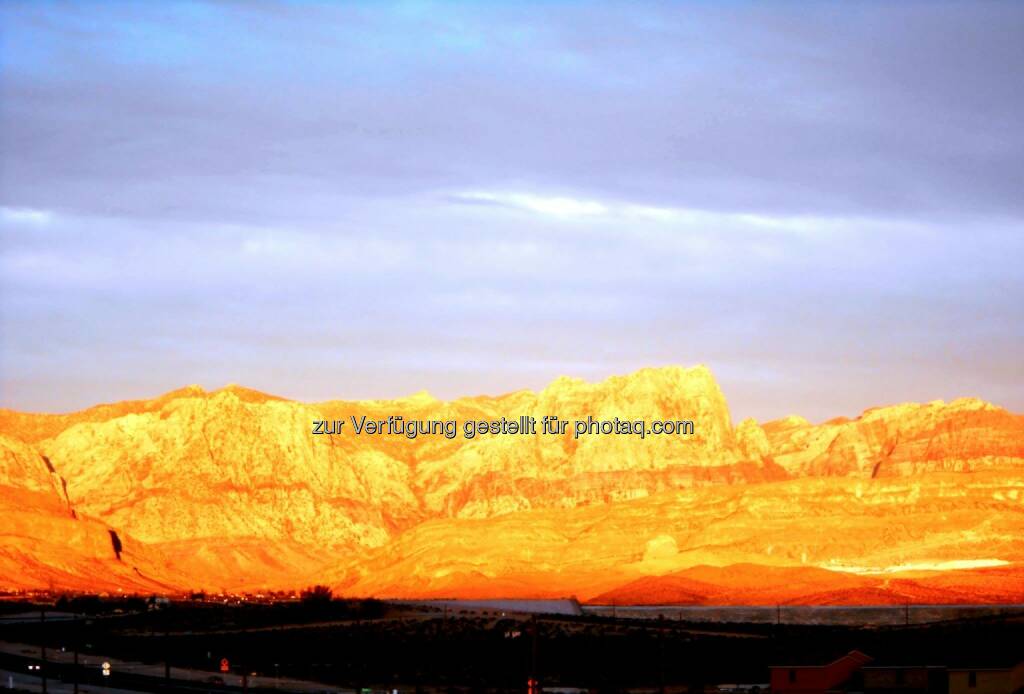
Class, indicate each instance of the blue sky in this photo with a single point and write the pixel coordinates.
(822, 202)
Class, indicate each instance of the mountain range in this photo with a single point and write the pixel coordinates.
(229, 491)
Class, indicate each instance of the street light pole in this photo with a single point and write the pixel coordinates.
(42, 644)
(167, 644)
(77, 638)
(534, 675)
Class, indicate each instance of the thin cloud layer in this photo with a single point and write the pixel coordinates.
(821, 202)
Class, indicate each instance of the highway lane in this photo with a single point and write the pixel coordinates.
(135, 676)
(26, 682)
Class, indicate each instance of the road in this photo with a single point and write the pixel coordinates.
(23, 681)
(15, 658)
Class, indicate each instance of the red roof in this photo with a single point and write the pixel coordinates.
(817, 678)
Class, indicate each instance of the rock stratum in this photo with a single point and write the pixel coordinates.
(229, 491)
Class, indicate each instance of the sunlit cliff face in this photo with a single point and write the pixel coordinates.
(229, 490)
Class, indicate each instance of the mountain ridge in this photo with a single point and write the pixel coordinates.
(234, 478)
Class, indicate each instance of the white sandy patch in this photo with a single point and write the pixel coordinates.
(952, 565)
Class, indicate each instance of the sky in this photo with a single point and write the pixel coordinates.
(823, 202)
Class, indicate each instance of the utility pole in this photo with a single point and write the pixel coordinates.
(77, 638)
(244, 660)
(167, 645)
(661, 657)
(42, 646)
(533, 658)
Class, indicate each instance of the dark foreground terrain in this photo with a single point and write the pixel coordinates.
(380, 646)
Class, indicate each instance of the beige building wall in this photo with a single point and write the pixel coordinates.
(1004, 681)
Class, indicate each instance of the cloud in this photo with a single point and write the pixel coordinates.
(352, 200)
(636, 218)
(560, 207)
(25, 215)
(757, 110)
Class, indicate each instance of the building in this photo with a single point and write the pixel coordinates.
(1005, 677)
(905, 679)
(836, 676)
